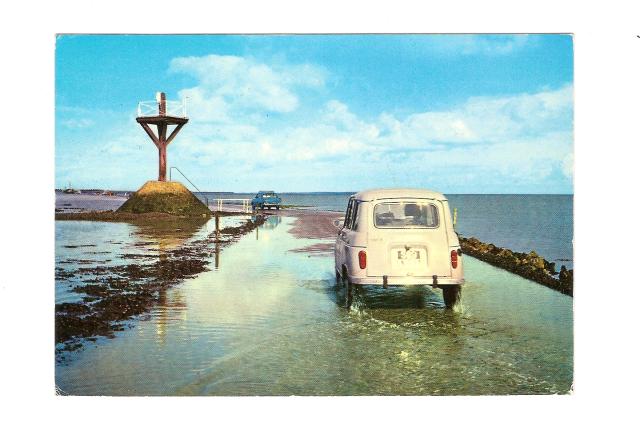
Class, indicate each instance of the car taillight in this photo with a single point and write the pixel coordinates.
(362, 259)
(454, 259)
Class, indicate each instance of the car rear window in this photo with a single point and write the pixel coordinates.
(406, 215)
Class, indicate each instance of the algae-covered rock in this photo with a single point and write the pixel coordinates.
(165, 197)
(535, 260)
(566, 276)
(531, 266)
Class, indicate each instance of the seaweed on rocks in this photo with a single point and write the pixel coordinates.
(528, 265)
(245, 228)
(62, 274)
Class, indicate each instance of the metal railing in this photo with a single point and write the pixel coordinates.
(152, 108)
(246, 204)
(194, 186)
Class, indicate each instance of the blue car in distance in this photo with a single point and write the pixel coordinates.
(265, 200)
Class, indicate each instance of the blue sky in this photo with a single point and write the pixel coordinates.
(457, 113)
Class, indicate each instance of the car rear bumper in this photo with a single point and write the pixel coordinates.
(406, 281)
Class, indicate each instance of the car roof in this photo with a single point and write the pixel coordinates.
(398, 193)
(266, 191)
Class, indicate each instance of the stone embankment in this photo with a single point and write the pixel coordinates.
(530, 266)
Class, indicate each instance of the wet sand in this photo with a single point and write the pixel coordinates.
(315, 225)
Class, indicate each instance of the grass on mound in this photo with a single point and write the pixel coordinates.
(165, 197)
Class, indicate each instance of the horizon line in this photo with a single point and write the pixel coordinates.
(337, 192)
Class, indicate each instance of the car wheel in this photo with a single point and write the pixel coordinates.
(451, 295)
(347, 283)
(349, 293)
(344, 278)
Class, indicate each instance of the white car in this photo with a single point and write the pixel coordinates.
(399, 236)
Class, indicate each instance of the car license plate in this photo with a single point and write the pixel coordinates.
(409, 257)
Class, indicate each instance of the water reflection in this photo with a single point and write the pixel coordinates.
(270, 223)
(169, 233)
(171, 305)
(217, 255)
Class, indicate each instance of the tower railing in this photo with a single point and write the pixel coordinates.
(152, 108)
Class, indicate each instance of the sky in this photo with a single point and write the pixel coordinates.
(453, 113)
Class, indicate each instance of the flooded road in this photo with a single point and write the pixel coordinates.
(269, 320)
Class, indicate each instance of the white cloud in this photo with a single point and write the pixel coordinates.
(516, 138)
(232, 84)
(235, 95)
(493, 119)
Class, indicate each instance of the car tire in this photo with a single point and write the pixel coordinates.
(349, 288)
(344, 278)
(451, 295)
(349, 293)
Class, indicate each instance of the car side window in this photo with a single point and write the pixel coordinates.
(348, 215)
(355, 215)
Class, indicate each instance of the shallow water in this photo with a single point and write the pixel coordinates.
(269, 321)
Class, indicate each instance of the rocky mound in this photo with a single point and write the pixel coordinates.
(165, 197)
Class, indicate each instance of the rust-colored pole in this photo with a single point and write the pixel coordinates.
(162, 151)
(162, 167)
(162, 104)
